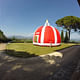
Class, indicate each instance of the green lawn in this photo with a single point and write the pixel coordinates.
(28, 49)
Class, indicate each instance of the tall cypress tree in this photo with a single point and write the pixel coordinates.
(66, 37)
(62, 36)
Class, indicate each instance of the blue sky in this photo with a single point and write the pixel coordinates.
(22, 17)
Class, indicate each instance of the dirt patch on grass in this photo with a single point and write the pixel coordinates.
(2, 46)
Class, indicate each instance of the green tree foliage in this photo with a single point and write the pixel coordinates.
(69, 23)
(16, 40)
(13, 38)
(2, 37)
(66, 39)
(62, 36)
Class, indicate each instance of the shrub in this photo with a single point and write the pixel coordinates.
(22, 41)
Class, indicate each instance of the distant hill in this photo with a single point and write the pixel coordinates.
(20, 37)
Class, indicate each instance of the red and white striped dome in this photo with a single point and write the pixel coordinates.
(46, 36)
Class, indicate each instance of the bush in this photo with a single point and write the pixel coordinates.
(29, 41)
(22, 41)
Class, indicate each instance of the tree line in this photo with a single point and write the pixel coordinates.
(68, 23)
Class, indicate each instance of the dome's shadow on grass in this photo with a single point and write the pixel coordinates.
(20, 54)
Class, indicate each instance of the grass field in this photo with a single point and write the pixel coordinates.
(29, 50)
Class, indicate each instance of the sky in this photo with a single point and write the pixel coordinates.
(23, 17)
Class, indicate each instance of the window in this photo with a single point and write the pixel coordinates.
(36, 38)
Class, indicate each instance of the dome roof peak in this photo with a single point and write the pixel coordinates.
(47, 23)
(46, 20)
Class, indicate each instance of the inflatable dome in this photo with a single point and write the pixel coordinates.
(46, 36)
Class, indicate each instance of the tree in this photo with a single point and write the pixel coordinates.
(2, 37)
(62, 36)
(69, 23)
(78, 2)
(13, 38)
(66, 37)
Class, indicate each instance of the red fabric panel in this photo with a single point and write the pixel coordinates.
(49, 35)
(38, 32)
(58, 36)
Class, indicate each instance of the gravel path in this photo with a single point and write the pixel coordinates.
(65, 72)
(70, 70)
(76, 74)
